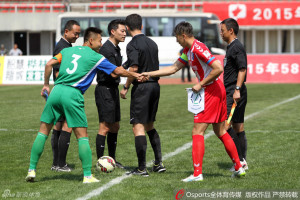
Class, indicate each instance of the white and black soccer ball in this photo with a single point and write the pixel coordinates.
(106, 164)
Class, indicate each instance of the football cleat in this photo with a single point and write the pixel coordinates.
(54, 168)
(90, 179)
(31, 175)
(243, 163)
(159, 167)
(119, 165)
(193, 178)
(139, 172)
(239, 173)
(65, 168)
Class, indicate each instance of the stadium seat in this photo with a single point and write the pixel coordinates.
(131, 5)
(58, 7)
(166, 5)
(148, 5)
(95, 5)
(113, 5)
(42, 7)
(24, 7)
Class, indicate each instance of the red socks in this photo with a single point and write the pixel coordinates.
(231, 150)
(198, 153)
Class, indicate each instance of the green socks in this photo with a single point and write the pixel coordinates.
(85, 155)
(37, 149)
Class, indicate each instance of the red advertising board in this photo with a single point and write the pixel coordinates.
(272, 68)
(257, 13)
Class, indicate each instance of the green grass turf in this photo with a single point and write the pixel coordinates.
(273, 147)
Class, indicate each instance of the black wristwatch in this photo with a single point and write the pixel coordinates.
(237, 88)
(125, 87)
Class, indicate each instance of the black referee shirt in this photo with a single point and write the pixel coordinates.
(235, 59)
(60, 46)
(143, 52)
(113, 54)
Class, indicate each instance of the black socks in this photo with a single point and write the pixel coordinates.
(54, 144)
(155, 143)
(63, 146)
(141, 147)
(112, 144)
(100, 145)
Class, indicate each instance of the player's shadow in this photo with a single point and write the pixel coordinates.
(224, 165)
(72, 166)
(213, 175)
(63, 175)
(130, 168)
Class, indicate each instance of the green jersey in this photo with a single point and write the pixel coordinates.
(79, 65)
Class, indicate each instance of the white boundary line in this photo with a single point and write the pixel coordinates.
(186, 146)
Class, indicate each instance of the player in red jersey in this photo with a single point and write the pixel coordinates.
(207, 69)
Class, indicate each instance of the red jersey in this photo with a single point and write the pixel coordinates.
(199, 58)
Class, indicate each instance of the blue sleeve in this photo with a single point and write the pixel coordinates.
(106, 66)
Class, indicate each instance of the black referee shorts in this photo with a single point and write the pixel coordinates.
(108, 103)
(239, 113)
(144, 102)
(55, 70)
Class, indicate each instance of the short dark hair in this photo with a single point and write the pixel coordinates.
(70, 23)
(114, 24)
(91, 32)
(134, 22)
(184, 28)
(231, 24)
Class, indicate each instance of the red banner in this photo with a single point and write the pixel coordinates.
(257, 13)
(272, 68)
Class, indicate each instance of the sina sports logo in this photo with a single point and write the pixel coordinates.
(179, 194)
(196, 98)
(237, 11)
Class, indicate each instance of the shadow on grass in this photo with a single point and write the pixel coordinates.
(64, 176)
(224, 165)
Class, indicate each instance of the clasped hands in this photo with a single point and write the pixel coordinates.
(143, 77)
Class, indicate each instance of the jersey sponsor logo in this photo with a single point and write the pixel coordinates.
(207, 54)
(198, 48)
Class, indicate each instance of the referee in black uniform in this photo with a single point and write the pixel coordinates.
(61, 134)
(107, 92)
(142, 56)
(235, 73)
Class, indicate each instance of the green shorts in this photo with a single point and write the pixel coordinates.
(67, 101)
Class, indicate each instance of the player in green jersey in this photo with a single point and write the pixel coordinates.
(78, 67)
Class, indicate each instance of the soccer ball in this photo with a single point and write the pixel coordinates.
(106, 164)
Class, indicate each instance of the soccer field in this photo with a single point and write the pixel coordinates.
(272, 127)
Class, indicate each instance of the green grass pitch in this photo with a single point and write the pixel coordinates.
(273, 147)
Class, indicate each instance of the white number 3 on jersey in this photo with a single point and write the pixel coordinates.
(76, 57)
